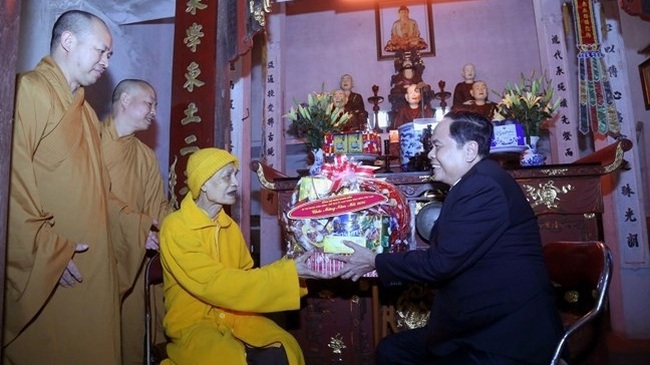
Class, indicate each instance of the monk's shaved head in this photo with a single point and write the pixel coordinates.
(127, 86)
(78, 22)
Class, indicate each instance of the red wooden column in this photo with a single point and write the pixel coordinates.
(192, 122)
(209, 36)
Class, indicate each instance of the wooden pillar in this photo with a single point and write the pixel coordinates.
(192, 123)
(9, 26)
(208, 36)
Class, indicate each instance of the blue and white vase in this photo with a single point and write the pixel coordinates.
(319, 159)
(530, 156)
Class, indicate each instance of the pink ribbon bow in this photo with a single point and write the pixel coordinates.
(343, 170)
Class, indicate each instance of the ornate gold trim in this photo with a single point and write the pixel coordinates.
(554, 172)
(258, 11)
(546, 194)
(617, 160)
(263, 181)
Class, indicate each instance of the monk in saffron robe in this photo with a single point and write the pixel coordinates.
(213, 295)
(63, 279)
(135, 177)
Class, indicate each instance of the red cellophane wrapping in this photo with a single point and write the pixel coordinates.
(382, 227)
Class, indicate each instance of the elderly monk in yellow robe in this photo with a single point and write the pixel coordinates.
(62, 289)
(213, 295)
(135, 177)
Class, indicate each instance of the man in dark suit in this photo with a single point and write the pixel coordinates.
(493, 301)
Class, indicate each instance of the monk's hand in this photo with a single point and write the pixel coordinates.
(152, 241)
(357, 264)
(71, 275)
(304, 271)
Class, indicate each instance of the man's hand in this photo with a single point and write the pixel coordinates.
(304, 271)
(357, 264)
(71, 275)
(152, 241)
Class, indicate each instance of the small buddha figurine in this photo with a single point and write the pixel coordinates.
(479, 103)
(462, 89)
(414, 108)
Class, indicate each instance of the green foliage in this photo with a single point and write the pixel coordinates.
(316, 118)
(530, 102)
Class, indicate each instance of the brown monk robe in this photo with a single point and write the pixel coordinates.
(479, 104)
(135, 179)
(462, 91)
(414, 109)
(59, 200)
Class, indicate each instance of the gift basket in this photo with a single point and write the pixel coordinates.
(345, 203)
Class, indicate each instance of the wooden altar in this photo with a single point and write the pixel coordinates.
(567, 200)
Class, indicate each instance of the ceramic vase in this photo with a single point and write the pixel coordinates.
(314, 168)
(530, 156)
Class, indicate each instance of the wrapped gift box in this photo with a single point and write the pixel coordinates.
(366, 142)
(508, 135)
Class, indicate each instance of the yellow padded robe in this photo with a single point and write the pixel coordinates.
(213, 295)
(59, 196)
(135, 179)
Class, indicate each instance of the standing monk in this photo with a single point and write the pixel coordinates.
(63, 279)
(135, 177)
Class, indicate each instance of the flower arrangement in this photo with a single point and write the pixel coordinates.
(316, 118)
(530, 102)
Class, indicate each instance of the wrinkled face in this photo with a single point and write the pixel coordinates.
(89, 54)
(479, 91)
(221, 188)
(447, 158)
(413, 94)
(469, 72)
(141, 107)
(346, 82)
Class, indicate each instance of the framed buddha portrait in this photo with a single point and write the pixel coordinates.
(404, 26)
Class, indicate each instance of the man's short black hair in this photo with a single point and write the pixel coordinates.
(467, 126)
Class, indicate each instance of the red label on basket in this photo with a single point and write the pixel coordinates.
(336, 205)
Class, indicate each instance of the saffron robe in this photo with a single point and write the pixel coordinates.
(135, 179)
(213, 295)
(59, 197)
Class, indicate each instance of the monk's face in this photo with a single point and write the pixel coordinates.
(479, 91)
(89, 54)
(338, 97)
(469, 72)
(413, 95)
(346, 82)
(222, 187)
(141, 107)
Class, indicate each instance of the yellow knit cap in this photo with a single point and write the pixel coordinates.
(204, 163)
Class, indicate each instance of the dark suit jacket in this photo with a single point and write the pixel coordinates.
(493, 292)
